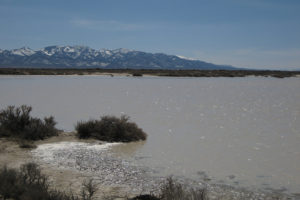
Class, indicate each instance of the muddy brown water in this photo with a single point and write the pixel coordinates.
(237, 131)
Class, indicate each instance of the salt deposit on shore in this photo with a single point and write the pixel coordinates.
(97, 161)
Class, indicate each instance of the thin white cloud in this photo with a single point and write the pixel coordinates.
(107, 25)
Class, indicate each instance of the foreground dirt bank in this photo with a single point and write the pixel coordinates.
(63, 179)
(112, 175)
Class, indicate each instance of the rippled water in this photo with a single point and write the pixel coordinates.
(240, 131)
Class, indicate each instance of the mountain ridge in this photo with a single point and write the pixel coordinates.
(85, 57)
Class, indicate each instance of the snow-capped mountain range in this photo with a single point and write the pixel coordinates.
(85, 57)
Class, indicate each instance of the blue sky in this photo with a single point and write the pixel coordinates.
(243, 33)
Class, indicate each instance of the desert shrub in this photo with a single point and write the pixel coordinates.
(28, 183)
(17, 122)
(172, 190)
(8, 180)
(88, 189)
(137, 74)
(112, 129)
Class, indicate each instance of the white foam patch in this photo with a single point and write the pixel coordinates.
(96, 159)
(48, 152)
(68, 145)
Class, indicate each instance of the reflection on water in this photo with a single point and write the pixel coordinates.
(241, 131)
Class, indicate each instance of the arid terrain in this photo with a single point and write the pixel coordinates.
(62, 179)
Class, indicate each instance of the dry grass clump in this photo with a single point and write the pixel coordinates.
(111, 129)
(173, 190)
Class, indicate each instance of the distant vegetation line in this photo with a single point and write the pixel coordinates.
(153, 72)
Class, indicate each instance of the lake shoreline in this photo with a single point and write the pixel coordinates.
(149, 72)
(69, 178)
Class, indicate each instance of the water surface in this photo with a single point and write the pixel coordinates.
(240, 131)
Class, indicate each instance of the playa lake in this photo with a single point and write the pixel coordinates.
(243, 132)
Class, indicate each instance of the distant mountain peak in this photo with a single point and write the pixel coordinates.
(24, 51)
(185, 58)
(77, 56)
(121, 50)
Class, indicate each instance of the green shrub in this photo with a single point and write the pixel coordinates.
(17, 122)
(111, 129)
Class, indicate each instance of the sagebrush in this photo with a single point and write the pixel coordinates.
(173, 190)
(17, 122)
(111, 128)
(28, 183)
